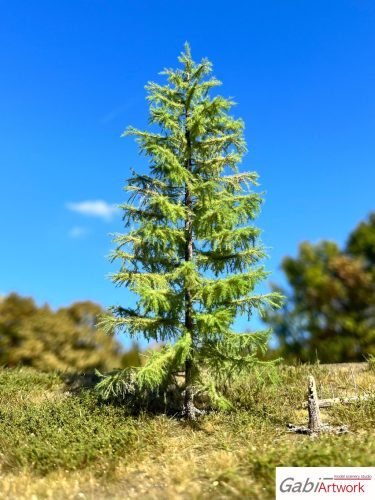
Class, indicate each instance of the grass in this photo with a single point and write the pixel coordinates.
(58, 445)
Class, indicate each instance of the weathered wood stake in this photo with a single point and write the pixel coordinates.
(315, 423)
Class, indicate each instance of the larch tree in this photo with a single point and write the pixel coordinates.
(191, 252)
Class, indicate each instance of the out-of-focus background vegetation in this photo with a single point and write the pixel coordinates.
(329, 311)
(63, 340)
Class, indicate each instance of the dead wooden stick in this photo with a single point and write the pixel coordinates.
(315, 424)
(326, 403)
(312, 405)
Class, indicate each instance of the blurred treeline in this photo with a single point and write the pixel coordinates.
(66, 339)
(329, 312)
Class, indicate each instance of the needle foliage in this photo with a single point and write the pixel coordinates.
(191, 251)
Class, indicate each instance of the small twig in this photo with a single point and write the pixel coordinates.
(298, 429)
(326, 403)
(332, 391)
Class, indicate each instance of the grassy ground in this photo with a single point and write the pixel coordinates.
(61, 446)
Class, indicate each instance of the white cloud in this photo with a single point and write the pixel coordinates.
(77, 232)
(97, 208)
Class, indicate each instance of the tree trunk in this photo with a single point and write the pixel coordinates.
(189, 409)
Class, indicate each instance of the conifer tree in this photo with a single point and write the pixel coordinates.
(191, 252)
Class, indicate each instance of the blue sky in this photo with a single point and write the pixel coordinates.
(72, 78)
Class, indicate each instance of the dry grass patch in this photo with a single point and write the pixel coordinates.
(74, 447)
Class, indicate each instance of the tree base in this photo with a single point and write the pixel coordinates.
(190, 412)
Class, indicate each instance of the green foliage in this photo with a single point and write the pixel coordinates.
(63, 340)
(191, 252)
(153, 379)
(330, 311)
